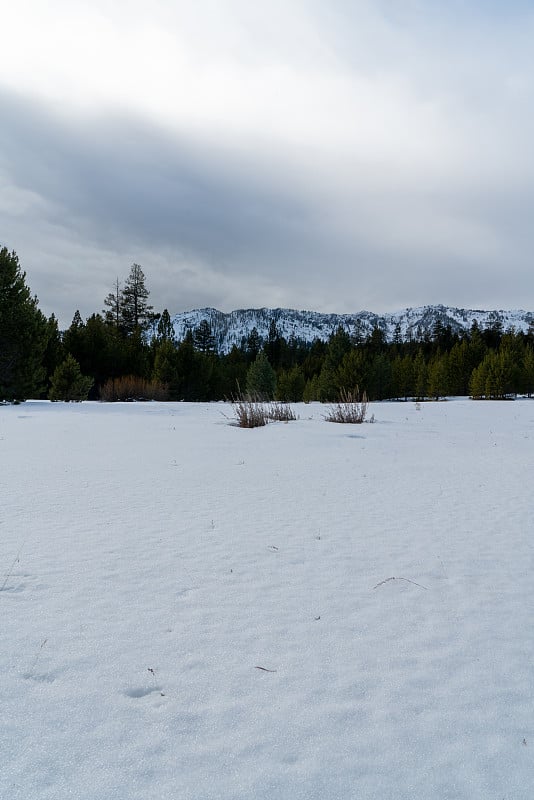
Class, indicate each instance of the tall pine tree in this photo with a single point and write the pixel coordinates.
(24, 334)
(113, 301)
(135, 312)
(203, 338)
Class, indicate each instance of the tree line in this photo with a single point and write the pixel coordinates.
(128, 351)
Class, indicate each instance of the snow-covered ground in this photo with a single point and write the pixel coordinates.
(308, 610)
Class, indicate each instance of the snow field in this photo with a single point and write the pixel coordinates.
(153, 558)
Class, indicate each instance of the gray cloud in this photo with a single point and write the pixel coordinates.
(350, 159)
(124, 188)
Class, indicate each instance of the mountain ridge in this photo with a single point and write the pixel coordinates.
(233, 328)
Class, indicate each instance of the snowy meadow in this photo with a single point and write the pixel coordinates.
(192, 611)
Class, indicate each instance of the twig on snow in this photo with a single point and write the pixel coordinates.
(10, 570)
(264, 669)
(36, 659)
(400, 579)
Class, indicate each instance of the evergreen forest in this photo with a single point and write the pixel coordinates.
(128, 351)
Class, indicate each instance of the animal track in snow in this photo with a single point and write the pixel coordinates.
(144, 692)
(43, 677)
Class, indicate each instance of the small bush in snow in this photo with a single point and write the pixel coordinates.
(131, 387)
(249, 413)
(68, 383)
(349, 408)
(280, 412)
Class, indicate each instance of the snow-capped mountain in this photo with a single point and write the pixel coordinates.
(233, 328)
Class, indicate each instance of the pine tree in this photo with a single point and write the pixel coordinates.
(273, 345)
(203, 338)
(135, 311)
(311, 390)
(493, 389)
(328, 384)
(166, 367)
(338, 345)
(437, 376)
(460, 368)
(350, 373)
(68, 383)
(74, 338)
(252, 345)
(290, 385)
(104, 350)
(113, 301)
(476, 349)
(357, 336)
(55, 352)
(100, 349)
(511, 352)
(376, 341)
(137, 354)
(493, 332)
(402, 377)
(528, 371)
(165, 329)
(187, 369)
(477, 382)
(378, 383)
(261, 379)
(420, 376)
(24, 334)
(233, 372)
(493, 378)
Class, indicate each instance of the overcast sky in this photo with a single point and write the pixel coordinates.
(334, 155)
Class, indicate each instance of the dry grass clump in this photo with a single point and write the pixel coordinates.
(350, 408)
(280, 411)
(132, 388)
(250, 412)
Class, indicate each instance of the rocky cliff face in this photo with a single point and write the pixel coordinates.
(234, 327)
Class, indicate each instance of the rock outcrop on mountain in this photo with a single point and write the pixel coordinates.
(234, 327)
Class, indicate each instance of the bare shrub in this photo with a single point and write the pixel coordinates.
(132, 388)
(280, 412)
(350, 408)
(249, 413)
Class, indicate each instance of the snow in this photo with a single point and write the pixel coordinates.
(232, 328)
(308, 610)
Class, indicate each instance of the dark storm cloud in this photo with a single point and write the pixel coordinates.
(125, 181)
(127, 187)
(331, 156)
